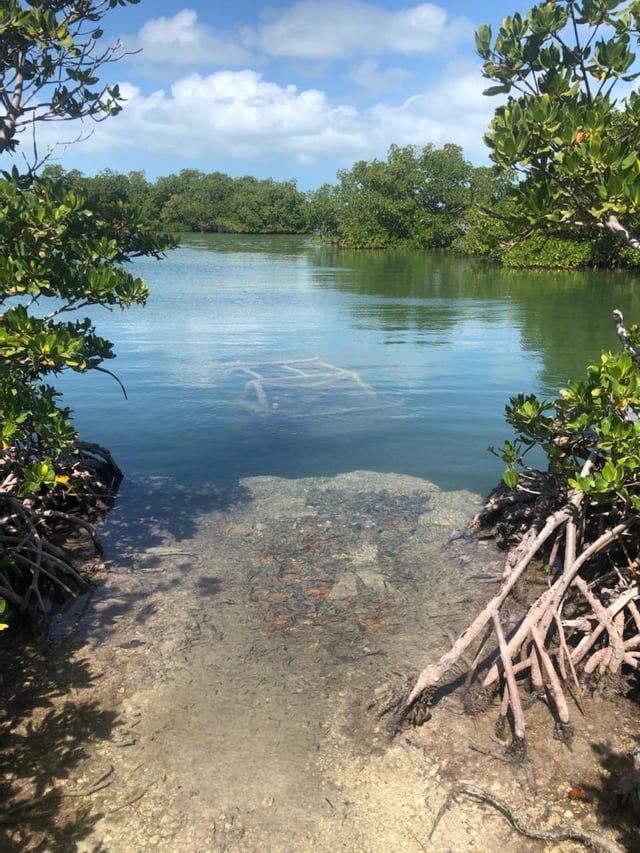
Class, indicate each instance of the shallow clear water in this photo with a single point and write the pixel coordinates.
(404, 360)
(243, 627)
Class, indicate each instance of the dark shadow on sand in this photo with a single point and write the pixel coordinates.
(43, 740)
(48, 719)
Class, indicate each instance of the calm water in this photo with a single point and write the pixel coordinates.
(273, 355)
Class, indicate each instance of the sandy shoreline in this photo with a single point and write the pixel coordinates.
(213, 695)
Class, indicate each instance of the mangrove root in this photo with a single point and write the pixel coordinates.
(40, 534)
(584, 627)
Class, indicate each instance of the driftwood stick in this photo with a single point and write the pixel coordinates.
(537, 681)
(560, 657)
(593, 840)
(504, 708)
(555, 687)
(570, 543)
(523, 664)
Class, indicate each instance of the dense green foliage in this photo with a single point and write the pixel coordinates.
(59, 255)
(598, 415)
(566, 248)
(417, 198)
(56, 250)
(494, 232)
(576, 152)
(197, 202)
(574, 145)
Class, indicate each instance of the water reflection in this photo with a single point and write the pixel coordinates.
(267, 245)
(446, 340)
(564, 318)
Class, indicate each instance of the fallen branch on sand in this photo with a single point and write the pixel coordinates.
(593, 840)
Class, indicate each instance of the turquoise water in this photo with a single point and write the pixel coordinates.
(274, 355)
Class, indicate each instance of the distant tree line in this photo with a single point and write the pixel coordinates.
(419, 198)
(198, 202)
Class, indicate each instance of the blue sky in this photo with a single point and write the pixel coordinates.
(289, 90)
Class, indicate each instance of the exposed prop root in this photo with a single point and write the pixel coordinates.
(584, 625)
(534, 648)
(39, 535)
(392, 707)
(593, 840)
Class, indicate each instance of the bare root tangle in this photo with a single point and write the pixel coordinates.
(38, 534)
(543, 649)
(516, 564)
(537, 646)
(587, 619)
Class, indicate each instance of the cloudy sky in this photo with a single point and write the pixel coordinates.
(290, 90)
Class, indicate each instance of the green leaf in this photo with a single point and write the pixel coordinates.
(483, 40)
(503, 89)
(510, 477)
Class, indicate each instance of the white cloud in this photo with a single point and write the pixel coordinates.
(239, 114)
(182, 40)
(371, 79)
(333, 29)
(453, 110)
(313, 30)
(235, 113)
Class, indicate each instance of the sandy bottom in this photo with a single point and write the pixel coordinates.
(218, 691)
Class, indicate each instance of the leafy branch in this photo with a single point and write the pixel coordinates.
(561, 128)
(49, 64)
